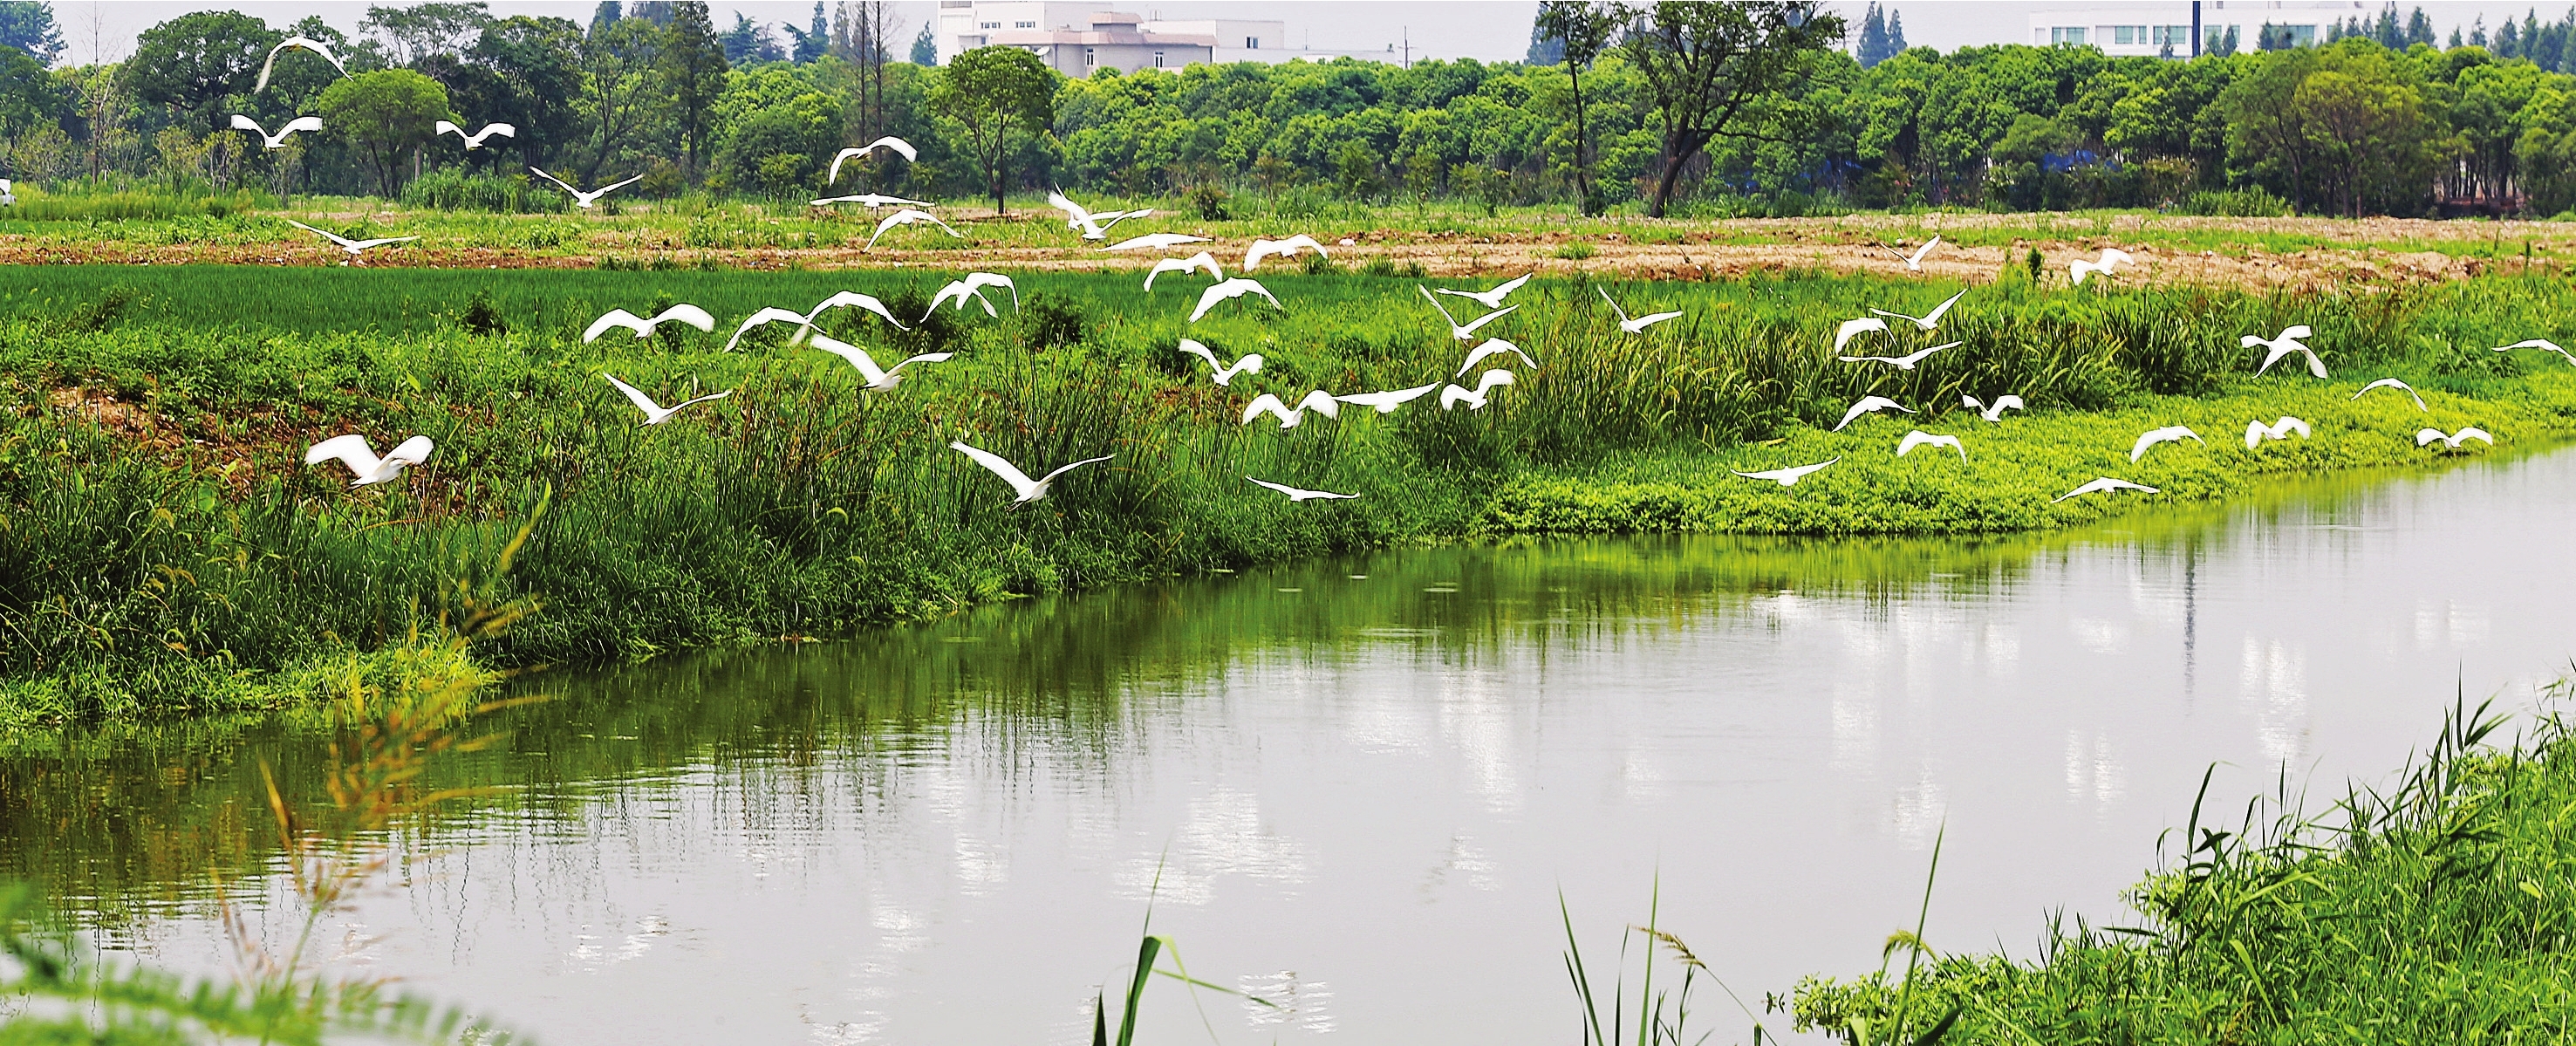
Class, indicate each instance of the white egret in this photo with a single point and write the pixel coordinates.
(350, 246)
(1867, 405)
(804, 321)
(582, 199)
(2427, 436)
(973, 287)
(1994, 414)
(1029, 489)
(771, 314)
(2287, 343)
(2256, 432)
(1914, 262)
(278, 140)
(1492, 347)
(1468, 331)
(305, 43)
(1928, 320)
(1386, 402)
(878, 377)
(1919, 438)
(1491, 299)
(352, 450)
(863, 301)
(1788, 477)
(1155, 241)
(1905, 362)
(1094, 225)
(1295, 494)
(1453, 395)
(1286, 248)
(681, 313)
(1230, 289)
(2167, 434)
(2392, 383)
(8, 192)
(889, 143)
(655, 413)
(1853, 328)
(2104, 485)
(908, 216)
(871, 201)
(2538, 343)
(475, 140)
(2080, 268)
(1319, 401)
(1637, 324)
(1201, 260)
(1224, 375)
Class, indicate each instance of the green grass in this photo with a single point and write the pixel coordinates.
(2439, 910)
(163, 550)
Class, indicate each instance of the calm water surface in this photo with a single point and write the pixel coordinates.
(1361, 795)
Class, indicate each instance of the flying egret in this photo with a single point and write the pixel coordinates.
(908, 216)
(2104, 485)
(2392, 383)
(1905, 362)
(1386, 402)
(1224, 375)
(1491, 299)
(1638, 324)
(1453, 395)
(1867, 404)
(771, 314)
(2166, 434)
(1994, 414)
(2287, 343)
(1928, 320)
(871, 201)
(1913, 263)
(1468, 331)
(278, 140)
(973, 287)
(655, 413)
(1286, 248)
(2538, 343)
(1319, 401)
(475, 140)
(682, 313)
(1094, 225)
(1788, 477)
(878, 377)
(1155, 241)
(582, 199)
(306, 43)
(1029, 489)
(890, 143)
(346, 244)
(863, 301)
(2256, 432)
(8, 192)
(352, 450)
(2427, 436)
(1234, 288)
(1295, 494)
(1918, 438)
(2080, 268)
(804, 321)
(1201, 260)
(1851, 328)
(1491, 347)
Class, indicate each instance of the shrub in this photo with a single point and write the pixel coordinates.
(1053, 321)
(2256, 202)
(1209, 201)
(454, 190)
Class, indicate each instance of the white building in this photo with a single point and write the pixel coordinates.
(2151, 28)
(1060, 33)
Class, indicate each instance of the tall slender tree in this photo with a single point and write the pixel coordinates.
(992, 92)
(1714, 68)
(1582, 30)
(693, 64)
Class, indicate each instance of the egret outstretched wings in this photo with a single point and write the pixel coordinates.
(1868, 405)
(1155, 242)
(1788, 477)
(1201, 260)
(2392, 383)
(1279, 249)
(1453, 395)
(278, 140)
(908, 216)
(1853, 328)
(353, 451)
(681, 313)
(1639, 324)
(1229, 290)
(1386, 402)
(877, 377)
(2104, 485)
(1905, 362)
(1492, 347)
(890, 143)
(305, 43)
(1928, 320)
(1028, 489)
(1493, 298)
(1920, 438)
(2167, 434)
(1295, 494)
(655, 413)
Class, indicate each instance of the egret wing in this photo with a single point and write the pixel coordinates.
(1010, 473)
(616, 318)
(635, 394)
(767, 315)
(688, 314)
(352, 450)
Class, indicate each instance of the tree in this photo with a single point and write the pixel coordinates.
(620, 95)
(693, 65)
(29, 26)
(386, 112)
(422, 30)
(1706, 64)
(538, 60)
(990, 92)
(1582, 31)
(1895, 32)
(30, 97)
(1871, 47)
(815, 42)
(744, 43)
(1543, 49)
(925, 47)
(194, 62)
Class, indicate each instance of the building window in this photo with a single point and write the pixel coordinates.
(2128, 35)
(1252, 43)
(1024, 25)
(1090, 58)
(2176, 35)
(2067, 34)
(1158, 59)
(988, 25)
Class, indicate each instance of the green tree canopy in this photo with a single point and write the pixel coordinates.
(28, 25)
(386, 113)
(1713, 66)
(990, 92)
(693, 65)
(194, 62)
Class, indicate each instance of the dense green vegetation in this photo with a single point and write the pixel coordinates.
(165, 550)
(2438, 910)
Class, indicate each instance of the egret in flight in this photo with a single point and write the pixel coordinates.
(1928, 320)
(1386, 402)
(582, 199)
(2080, 268)
(1029, 489)
(1853, 328)
(352, 247)
(973, 287)
(2104, 485)
(1286, 248)
(1295, 494)
(1228, 290)
(1319, 401)
(870, 200)
(1094, 225)
(2392, 383)
(1788, 477)
(1492, 347)
(278, 140)
(1637, 324)
(1155, 241)
(1905, 362)
(2538, 343)
(2287, 343)
(1491, 299)
(352, 450)
(908, 216)
(1468, 331)
(2256, 432)
(1453, 395)
(1919, 438)
(475, 140)
(1201, 260)
(1993, 414)
(1867, 405)
(305, 43)
(878, 378)
(889, 143)
(1914, 262)
(2167, 434)
(655, 413)
(681, 313)
(2427, 436)
(1224, 375)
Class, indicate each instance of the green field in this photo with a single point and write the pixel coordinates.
(164, 551)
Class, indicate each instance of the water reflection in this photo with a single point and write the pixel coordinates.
(1356, 786)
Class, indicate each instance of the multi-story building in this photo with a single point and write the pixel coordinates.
(1077, 38)
(2178, 29)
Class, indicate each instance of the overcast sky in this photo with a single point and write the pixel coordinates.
(1486, 29)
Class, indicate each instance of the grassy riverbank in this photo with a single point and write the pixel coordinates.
(164, 551)
(2437, 911)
